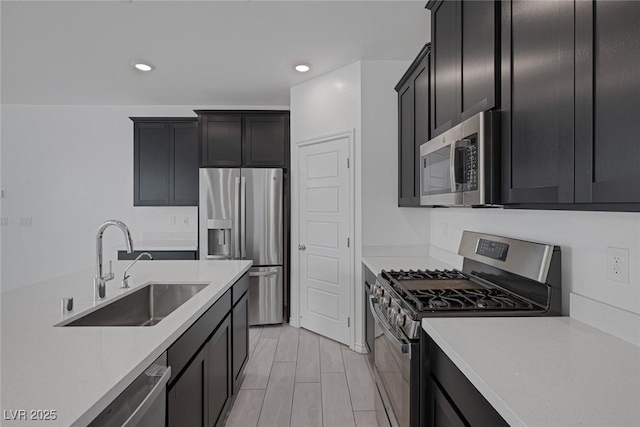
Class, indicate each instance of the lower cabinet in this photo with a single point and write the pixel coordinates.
(448, 397)
(218, 375)
(187, 398)
(160, 255)
(207, 360)
(240, 339)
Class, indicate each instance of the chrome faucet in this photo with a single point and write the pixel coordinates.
(100, 281)
(125, 283)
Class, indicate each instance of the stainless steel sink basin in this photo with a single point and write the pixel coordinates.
(146, 306)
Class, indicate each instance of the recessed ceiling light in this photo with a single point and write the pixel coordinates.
(142, 66)
(303, 68)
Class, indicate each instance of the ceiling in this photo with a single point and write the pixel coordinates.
(205, 53)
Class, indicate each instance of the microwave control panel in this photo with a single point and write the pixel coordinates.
(472, 166)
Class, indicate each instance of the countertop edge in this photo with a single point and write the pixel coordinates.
(494, 400)
(128, 378)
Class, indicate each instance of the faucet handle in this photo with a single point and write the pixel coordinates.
(125, 282)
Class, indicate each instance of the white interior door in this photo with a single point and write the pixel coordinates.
(324, 250)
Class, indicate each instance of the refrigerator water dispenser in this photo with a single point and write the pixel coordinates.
(219, 238)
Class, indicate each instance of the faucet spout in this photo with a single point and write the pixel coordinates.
(101, 279)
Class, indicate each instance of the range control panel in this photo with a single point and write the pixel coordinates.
(491, 249)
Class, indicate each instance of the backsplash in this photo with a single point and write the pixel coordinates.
(582, 236)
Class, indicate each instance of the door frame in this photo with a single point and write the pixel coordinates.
(294, 319)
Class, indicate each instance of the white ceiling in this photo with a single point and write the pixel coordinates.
(205, 53)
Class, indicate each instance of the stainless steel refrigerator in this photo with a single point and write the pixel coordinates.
(241, 216)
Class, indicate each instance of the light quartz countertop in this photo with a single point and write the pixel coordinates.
(78, 371)
(162, 245)
(545, 371)
(378, 263)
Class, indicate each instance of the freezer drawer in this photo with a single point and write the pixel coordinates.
(265, 295)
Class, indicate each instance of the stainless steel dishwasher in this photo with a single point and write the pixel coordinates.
(143, 403)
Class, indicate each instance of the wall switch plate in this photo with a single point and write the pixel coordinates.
(2, 194)
(618, 264)
(185, 221)
(172, 220)
(4, 221)
(26, 221)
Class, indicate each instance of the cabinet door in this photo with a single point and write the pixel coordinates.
(443, 412)
(240, 338)
(445, 67)
(151, 166)
(406, 144)
(221, 138)
(478, 56)
(538, 102)
(219, 373)
(184, 162)
(266, 140)
(187, 398)
(607, 101)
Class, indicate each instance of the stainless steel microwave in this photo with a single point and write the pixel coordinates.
(461, 167)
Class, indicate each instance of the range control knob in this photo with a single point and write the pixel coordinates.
(386, 301)
(401, 318)
(379, 291)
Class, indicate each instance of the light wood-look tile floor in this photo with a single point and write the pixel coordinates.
(296, 378)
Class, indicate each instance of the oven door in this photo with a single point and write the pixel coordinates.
(392, 371)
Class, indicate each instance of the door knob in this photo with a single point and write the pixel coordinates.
(301, 247)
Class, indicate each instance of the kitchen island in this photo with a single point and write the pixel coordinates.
(78, 371)
(551, 371)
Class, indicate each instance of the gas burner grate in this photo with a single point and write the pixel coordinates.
(467, 299)
(425, 274)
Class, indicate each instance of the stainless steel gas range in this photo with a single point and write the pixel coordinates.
(500, 277)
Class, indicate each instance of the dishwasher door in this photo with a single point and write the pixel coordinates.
(143, 403)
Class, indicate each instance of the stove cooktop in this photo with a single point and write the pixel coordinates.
(428, 291)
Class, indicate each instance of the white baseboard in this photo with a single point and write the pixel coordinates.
(360, 348)
(612, 320)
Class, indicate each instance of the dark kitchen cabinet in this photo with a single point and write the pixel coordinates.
(413, 127)
(244, 138)
(165, 162)
(538, 102)
(240, 339)
(266, 140)
(160, 255)
(201, 387)
(218, 374)
(607, 102)
(464, 60)
(448, 397)
(187, 399)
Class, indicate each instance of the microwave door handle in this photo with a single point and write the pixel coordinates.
(452, 168)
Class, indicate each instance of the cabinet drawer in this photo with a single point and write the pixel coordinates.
(188, 344)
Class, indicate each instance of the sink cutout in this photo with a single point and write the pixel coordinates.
(146, 306)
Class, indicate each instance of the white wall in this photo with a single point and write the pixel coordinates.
(383, 223)
(70, 168)
(583, 237)
(360, 97)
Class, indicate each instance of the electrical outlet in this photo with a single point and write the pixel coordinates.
(4, 221)
(26, 221)
(172, 220)
(185, 221)
(618, 264)
(2, 194)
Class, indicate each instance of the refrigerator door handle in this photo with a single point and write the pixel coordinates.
(243, 216)
(236, 227)
(262, 273)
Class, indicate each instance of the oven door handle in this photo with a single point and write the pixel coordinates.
(397, 342)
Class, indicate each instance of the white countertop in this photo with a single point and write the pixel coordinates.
(549, 371)
(162, 245)
(378, 263)
(78, 371)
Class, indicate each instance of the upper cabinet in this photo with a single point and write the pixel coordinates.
(537, 102)
(464, 60)
(413, 127)
(607, 102)
(244, 138)
(165, 162)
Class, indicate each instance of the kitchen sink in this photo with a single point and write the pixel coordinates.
(146, 306)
